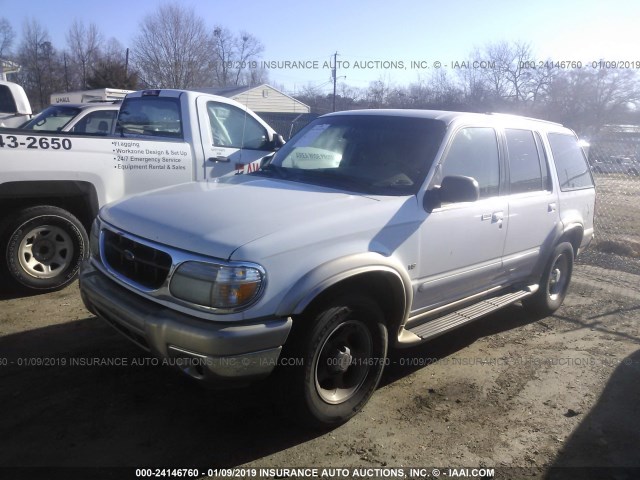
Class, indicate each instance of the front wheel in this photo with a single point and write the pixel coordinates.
(44, 246)
(554, 283)
(344, 351)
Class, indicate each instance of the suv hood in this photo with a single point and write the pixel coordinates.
(215, 219)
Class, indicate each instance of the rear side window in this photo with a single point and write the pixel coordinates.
(99, 122)
(571, 164)
(524, 162)
(474, 153)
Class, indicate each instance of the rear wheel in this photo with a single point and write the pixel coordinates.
(43, 247)
(343, 351)
(554, 283)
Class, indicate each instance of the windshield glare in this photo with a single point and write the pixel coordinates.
(52, 119)
(381, 154)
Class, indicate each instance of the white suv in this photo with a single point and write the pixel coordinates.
(368, 229)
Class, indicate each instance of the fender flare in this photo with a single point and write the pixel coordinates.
(318, 280)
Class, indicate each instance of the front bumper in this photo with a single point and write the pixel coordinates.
(230, 353)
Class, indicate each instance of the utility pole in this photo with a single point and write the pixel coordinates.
(126, 65)
(66, 75)
(335, 78)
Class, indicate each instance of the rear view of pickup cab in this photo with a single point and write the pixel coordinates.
(368, 230)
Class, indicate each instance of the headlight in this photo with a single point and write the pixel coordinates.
(94, 240)
(226, 287)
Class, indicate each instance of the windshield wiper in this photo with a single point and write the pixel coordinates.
(273, 170)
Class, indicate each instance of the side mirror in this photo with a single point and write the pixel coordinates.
(266, 160)
(453, 189)
(278, 142)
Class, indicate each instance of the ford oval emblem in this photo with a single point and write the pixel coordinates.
(128, 255)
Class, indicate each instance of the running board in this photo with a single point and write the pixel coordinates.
(438, 326)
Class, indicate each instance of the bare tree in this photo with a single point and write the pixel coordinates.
(84, 49)
(502, 67)
(223, 44)
(587, 100)
(173, 49)
(378, 92)
(445, 94)
(236, 58)
(7, 35)
(41, 72)
(111, 70)
(517, 75)
(248, 49)
(474, 89)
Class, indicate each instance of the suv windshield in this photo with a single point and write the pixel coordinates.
(52, 119)
(378, 154)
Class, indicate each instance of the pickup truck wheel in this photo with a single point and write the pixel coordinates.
(44, 247)
(554, 282)
(344, 352)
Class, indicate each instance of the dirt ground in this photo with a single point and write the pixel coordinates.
(511, 392)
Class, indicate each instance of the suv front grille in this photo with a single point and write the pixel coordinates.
(135, 261)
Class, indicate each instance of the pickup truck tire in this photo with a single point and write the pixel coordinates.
(344, 350)
(44, 247)
(554, 282)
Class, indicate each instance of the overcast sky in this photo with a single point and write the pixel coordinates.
(366, 32)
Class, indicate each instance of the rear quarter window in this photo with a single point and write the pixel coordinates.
(571, 164)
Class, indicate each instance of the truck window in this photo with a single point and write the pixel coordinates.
(474, 153)
(52, 119)
(232, 127)
(99, 122)
(524, 164)
(151, 115)
(571, 164)
(7, 102)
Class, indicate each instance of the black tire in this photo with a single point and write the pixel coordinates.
(344, 350)
(554, 282)
(43, 247)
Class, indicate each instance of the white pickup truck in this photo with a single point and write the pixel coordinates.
(52, 185)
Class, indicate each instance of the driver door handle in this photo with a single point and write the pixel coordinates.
(497, 217)
(219, 158)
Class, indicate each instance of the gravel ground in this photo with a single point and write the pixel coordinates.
(511, 392)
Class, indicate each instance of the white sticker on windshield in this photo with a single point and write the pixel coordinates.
(310, 137)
